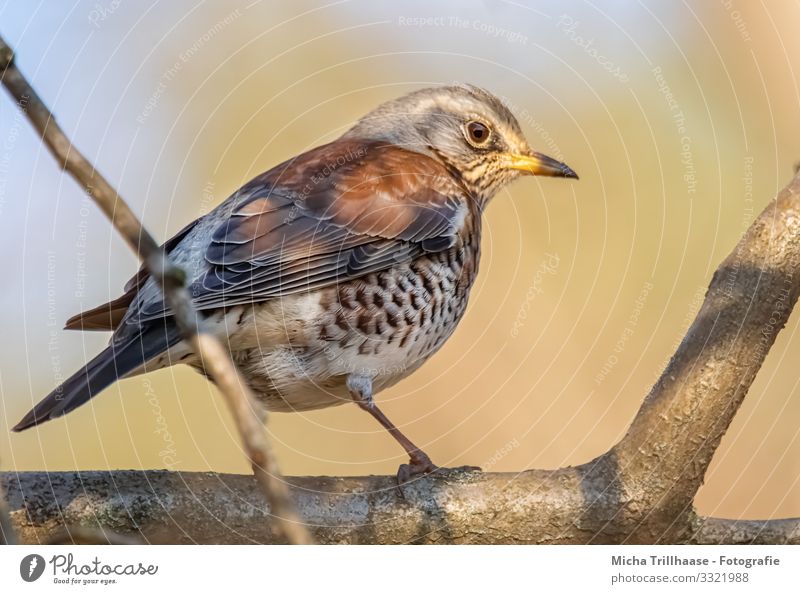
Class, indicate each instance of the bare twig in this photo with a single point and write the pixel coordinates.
(217, 361)
(171, 279)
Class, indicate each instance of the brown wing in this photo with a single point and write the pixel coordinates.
(336, 213)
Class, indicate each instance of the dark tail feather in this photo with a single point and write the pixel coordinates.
(114, 362)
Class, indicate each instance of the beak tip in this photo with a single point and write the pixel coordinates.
(539, 164)
(569, 173)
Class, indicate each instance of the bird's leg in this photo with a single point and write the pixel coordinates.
(360, 388)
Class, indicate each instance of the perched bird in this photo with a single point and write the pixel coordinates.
(337, 273)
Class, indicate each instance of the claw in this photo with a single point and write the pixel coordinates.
(421, 465)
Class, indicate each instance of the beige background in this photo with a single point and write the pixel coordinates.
(585, 290)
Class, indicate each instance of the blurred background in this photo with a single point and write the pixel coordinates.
(681, 120)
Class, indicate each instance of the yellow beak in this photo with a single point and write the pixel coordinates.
(539, 164)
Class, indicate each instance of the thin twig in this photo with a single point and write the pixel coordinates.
(171, 279)
(251, 426)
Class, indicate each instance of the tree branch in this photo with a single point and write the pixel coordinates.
(664, 456)
(718, 531)
(249, 416)
(531, 507)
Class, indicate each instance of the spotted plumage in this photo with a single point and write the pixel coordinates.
(337, 273)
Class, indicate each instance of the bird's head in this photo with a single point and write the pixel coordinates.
(467, 128)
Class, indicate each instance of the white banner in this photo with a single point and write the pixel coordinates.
(228, 569)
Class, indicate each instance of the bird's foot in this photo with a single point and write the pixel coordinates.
(420, 465)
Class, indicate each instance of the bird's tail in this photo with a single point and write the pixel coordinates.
(116, 361)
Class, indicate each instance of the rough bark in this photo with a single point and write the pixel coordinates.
(533, 507)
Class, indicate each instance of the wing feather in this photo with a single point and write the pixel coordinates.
(333, 214)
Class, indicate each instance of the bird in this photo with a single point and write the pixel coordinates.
(335, 274)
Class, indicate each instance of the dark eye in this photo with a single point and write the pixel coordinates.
(477, 133)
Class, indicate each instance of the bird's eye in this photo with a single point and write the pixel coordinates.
(477, 133)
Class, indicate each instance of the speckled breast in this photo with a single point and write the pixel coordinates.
(385, 325)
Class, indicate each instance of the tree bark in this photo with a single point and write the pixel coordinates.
(532, 507)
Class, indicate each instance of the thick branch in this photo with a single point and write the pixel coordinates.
(664, 456)
(533, 507)
(246, 412)
(718, 531)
